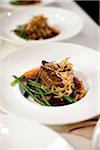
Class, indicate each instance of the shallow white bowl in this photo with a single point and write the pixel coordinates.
(85, 61)
(68, 23)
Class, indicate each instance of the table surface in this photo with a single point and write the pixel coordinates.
(89, 36)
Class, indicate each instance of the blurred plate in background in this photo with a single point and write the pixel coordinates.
(7, 4)
(69, 24)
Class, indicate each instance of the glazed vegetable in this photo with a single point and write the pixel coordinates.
(31, 74)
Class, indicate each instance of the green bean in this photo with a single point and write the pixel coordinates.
(15, 81)
(27, 90)
(51, 92)
(44, 98)
(34, 82)
(39, 86)
(17, 2)
(36, 85)
(33, 91)
(69, 99)
(22, 33)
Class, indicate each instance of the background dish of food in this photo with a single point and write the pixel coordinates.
(7, 4)
(37, 28)
(67, 22)
(85, 61)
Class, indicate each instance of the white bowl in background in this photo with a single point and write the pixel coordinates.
(6, 4)
(69, 24)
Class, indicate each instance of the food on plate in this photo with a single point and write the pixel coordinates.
(52, 84)
(24, 2)
(37, 29)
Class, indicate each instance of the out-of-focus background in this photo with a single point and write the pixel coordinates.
(91, 7)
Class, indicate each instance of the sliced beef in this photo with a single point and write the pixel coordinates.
(49, 77)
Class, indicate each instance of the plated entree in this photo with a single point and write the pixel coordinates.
(52, 84)
(24, 2)
(37, 29)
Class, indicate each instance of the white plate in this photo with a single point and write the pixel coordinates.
(85, 61)
(68, 22)
(7, 4)
(22, 134)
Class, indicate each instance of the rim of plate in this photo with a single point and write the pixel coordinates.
(54, 39)
(10, 128)
(61, 110)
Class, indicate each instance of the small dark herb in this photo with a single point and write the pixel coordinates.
(22, 33)
(24, 2)
(17, 2)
